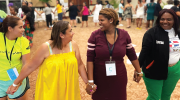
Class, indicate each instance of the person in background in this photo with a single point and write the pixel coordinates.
(14, 11)
(108, 5)
(108, 46)
(30, 4)
(29, 25)
(157, 10)
(128, 13)
(120, 11)
(159, 56)
(96, 11)
(149, 8)
(176, 8)
(9, 6)
(59, 9)
(145, 15)
(47, 10)
(73, 12)
(85, 13)
(169, 4)
(24, 3)
(139, 14)
(15, 53)
(60, 65)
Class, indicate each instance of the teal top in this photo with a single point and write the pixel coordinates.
(120, 9)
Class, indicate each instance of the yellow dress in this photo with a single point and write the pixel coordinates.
(58, 77)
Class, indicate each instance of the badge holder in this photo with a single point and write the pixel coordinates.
(110, 67)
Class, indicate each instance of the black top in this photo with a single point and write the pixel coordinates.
(73, 10)
(154, 54)
(176, 9)
(157, 9)
(32, 12)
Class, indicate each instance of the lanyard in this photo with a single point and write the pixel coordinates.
(9, 59)
(111, 49)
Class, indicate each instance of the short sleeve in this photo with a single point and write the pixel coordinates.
(91, 48)
(131, 54)
(25, 46)
(44, 10)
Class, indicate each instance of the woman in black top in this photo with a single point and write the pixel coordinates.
(159, 57)
(73, 13)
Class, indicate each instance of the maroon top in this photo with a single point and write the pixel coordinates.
(109, 87)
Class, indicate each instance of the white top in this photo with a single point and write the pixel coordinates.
(97, 9)
(174, 46)
(168, 6)
(140, 10)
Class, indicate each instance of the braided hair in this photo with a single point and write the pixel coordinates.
(110, 13)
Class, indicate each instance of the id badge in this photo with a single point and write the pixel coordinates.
(13, 73)
(110, 68)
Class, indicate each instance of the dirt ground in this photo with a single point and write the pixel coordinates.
(135, 91)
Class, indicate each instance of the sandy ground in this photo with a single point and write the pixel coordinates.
(135, 91)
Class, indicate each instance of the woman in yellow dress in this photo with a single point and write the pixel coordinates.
(59, 60)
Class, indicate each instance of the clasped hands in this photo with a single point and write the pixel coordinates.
(91, 88)
(12, 89)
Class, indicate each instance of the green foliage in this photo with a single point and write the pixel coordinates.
(45, 1)
(114, 3)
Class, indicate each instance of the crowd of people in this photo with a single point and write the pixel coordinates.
(60, 63)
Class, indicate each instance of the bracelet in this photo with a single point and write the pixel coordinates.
(91, 85)
(140, 73)
(91, 81)
(14, 85)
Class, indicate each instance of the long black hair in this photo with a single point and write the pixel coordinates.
(59, 2)
(48, 4)
(176, 21)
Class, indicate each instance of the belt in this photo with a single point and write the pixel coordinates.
(170, 65)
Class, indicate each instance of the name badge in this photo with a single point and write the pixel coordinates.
(110, 68)
(13, 73)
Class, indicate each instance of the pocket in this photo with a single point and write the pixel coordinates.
(150, 65)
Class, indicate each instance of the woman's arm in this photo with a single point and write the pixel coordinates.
(27, 69)
(81, 67)
(136, 7)
(82, 10)
(93, 9)
(25, 58)
(133, 8)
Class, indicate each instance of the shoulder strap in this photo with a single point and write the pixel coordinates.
(70, 46)
(50, 50)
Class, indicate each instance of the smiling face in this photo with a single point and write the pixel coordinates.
(166, 21)
(104, 23)
(18, 30)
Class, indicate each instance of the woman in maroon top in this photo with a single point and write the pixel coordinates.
(108, 74)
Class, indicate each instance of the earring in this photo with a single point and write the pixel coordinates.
(62, 37)
(110, 22)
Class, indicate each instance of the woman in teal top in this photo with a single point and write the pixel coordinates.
(150, 7)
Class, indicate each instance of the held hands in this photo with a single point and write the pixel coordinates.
(137, 76)
(13, 88)
(91, 88)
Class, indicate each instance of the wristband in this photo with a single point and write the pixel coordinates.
(91, 81)
(14, 85)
